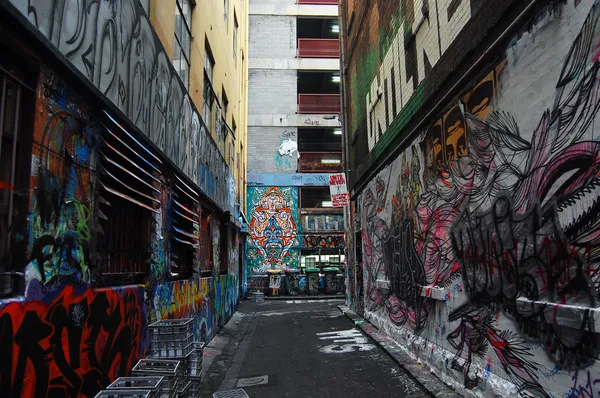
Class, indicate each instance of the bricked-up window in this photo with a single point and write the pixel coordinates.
(183, 40)
(184, 208)
(129, 184)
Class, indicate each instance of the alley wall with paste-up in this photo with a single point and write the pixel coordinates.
(475, 247)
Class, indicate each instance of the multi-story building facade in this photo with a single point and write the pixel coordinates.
(474, 163)
(208, 48)
(294, 139)
(122, 167)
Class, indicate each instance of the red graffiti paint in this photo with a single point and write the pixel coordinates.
(72, 347)
(6, 185)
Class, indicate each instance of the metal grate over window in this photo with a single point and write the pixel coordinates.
(184, 221)
(130, 192)
(15, 160)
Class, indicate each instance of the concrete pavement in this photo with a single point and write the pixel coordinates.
(299, 348)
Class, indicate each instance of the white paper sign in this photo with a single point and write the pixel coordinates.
(338, 189)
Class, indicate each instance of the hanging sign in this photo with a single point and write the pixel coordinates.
(338, 189)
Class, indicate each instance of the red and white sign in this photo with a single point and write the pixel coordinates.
(338, 189)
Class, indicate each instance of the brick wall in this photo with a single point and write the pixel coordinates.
(272, 36)
(263, 146)
(272, 92)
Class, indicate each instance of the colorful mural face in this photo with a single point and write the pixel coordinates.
(480, 240)
(60, 215)
(273, 242)
(73, 344)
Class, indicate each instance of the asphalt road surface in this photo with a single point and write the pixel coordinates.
(301, 348)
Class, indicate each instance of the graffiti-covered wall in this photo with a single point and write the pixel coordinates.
(71, 344)
(65, 141)
(480, 240)
(70, 333)
(273, 229)
(114, 46)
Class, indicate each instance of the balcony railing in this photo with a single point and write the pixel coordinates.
(319, 48)
(318, 103)
(320, 162)
(334, 2)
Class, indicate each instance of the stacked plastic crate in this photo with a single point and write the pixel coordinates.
(173, 357)
(173, 339)
(134, 387)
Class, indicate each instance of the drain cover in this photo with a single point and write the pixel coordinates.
(238, 393)
(253, 381)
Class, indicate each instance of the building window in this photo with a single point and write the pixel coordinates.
(235, 36)
(130, 184)
(225, 10)
(183, 40)
(241, 176)
(184, 222)
(225, 101)
(208, 93)
(232, 154)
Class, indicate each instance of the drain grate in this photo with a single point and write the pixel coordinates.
(253, 381)
(237, 393)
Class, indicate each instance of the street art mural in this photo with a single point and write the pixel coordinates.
(210, 306)
(273, 232)
(117, 50)
(73, 343)
(480, 240)
(323, 241)
(64, 150)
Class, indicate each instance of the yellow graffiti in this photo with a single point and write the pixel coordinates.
(181, 299)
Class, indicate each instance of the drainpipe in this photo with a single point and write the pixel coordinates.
(449, 93)
(348, 222)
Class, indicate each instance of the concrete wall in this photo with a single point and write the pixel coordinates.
(478, 239)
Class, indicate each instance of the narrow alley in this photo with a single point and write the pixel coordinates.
(301, 348)
(299, 198)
